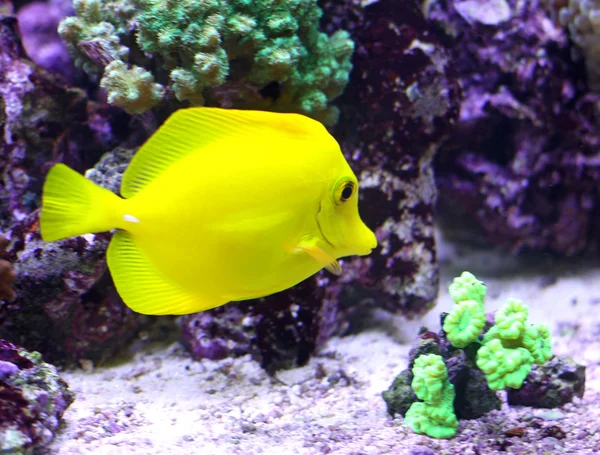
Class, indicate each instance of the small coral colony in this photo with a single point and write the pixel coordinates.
(279, 154)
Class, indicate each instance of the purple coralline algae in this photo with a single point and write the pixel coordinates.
(43, 121)
(400, 102)
(38, 23)
(33, 399)
(522, 160)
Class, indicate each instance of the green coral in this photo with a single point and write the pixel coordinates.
(504, 367)
(434, 416)
(204, 44)
(133, 88)
(537, 341)
(467, 287)
(104, 24)
(505, 355)
(511, 319)
(464, 323)
(509, 348)
(512, 346)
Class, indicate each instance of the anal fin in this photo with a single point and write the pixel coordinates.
(143, 288)
(322, 257)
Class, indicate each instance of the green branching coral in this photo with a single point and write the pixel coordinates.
(537, 341)
(195, 46)
(511, 319)
(103, 24)
(505, 354)
(435, 415)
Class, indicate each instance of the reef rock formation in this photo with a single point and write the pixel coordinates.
(65, 306)
(33, 399)
(523, 160)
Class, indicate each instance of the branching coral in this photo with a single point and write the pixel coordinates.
(202, 45)
(464, 323)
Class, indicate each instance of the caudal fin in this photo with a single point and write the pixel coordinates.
(73, 205)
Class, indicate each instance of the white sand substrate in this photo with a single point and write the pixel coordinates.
(160, 401)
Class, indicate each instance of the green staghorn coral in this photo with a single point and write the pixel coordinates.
(195, 47)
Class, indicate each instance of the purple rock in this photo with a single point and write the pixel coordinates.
(220, 333)
(38, 23)
(7, 369)
(522, 159)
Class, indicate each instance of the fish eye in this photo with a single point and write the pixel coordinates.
(347, 192)
(344, 189)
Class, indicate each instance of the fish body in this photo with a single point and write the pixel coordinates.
(218, 205)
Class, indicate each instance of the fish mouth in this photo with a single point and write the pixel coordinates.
(319, 226)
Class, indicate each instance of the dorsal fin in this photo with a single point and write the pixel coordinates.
(191, 129)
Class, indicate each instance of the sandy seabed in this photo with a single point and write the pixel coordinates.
(162, 402)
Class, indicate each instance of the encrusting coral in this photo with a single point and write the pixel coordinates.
(149, 50)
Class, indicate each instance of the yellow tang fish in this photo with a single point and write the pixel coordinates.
(218, 205)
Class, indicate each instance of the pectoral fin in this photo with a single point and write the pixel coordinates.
(325, 259)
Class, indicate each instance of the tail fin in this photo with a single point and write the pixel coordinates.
(73, 205)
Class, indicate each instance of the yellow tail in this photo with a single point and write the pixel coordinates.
(73, 205)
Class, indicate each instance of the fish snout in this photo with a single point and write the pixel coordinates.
(368, 242)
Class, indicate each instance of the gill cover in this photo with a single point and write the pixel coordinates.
(340, 221)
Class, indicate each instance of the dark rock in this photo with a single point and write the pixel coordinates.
(473, 397)
(551, 385)
(400, 104)
(400, 395)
